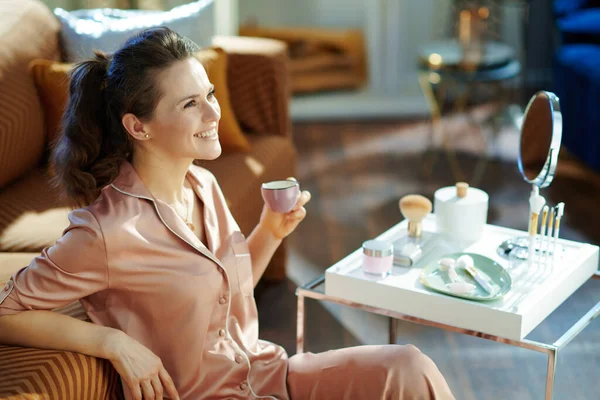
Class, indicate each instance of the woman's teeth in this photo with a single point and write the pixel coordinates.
(211, 135)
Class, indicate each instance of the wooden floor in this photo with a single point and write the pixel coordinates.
(357, 172)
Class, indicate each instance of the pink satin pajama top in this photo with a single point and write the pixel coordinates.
(136, 266)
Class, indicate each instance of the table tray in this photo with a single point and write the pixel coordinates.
(535, 294)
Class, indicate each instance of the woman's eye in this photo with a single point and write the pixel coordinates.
(189, 104)
(211, 94)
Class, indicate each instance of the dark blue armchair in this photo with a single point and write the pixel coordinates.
(577, 77)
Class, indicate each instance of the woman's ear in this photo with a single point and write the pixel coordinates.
(135, 127)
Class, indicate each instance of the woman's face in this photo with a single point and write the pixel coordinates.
(186, 119)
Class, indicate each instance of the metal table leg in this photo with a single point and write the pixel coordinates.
(565, 339)
(433, 102)
(393, 330)
(300, 320)
(552, 359)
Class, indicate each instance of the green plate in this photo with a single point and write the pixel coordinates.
(433, 277)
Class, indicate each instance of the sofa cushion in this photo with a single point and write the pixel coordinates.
(582, 59)
(52, 81)
(31, 214)
(581, 22)
(562, 7)
(577, 84)
(105, 29)
(12, 262)
(241, 174)
(28, 30)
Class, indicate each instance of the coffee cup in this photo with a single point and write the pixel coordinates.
(281, 196)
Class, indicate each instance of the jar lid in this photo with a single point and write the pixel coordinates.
(378, 248)
(449, 195)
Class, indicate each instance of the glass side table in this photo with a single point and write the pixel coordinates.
(446, 65)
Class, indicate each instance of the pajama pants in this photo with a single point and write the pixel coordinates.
(366, 372)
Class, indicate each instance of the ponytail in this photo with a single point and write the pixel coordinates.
(85, 158)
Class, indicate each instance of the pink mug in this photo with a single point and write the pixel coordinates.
(281, 196)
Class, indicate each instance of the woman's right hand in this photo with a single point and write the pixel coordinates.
(139, 367)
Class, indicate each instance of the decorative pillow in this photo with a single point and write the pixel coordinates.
(52, 82)
(84, 31)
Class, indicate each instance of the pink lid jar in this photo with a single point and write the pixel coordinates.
(378, 257)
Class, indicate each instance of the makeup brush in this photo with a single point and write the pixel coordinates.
(536, 202)
(414, 207)
(549, 231)
(560, 209)
(543, 237)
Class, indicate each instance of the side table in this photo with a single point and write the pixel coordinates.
(401, 296)
(445, 65)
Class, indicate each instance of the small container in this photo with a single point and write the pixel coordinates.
(461, 212)
(378, 257)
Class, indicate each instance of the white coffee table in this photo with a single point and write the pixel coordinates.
(535, 294)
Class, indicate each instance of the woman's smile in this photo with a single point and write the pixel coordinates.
(208, 135)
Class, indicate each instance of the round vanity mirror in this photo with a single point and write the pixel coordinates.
(541, 134)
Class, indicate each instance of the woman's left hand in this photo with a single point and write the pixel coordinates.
(281, 225)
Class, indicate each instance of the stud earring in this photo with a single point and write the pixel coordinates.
(146, 136)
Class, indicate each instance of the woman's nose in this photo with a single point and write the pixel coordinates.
(211, 111)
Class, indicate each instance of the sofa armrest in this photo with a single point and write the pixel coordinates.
(28, 373)
(258, 81)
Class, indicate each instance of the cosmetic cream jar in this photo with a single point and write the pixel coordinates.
(378, 257)
(461, 212)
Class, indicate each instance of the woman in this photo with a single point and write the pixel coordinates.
(156, 258)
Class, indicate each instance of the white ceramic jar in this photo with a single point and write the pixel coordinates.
(461, 212)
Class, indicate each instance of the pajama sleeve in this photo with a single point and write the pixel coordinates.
(73, 268)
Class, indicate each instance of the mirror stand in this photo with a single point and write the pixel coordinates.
(541, 133)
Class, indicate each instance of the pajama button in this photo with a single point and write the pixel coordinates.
(223, 300)
(239, 359)
(222, 332)
(243, 385)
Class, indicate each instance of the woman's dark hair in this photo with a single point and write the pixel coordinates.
(93, 142)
